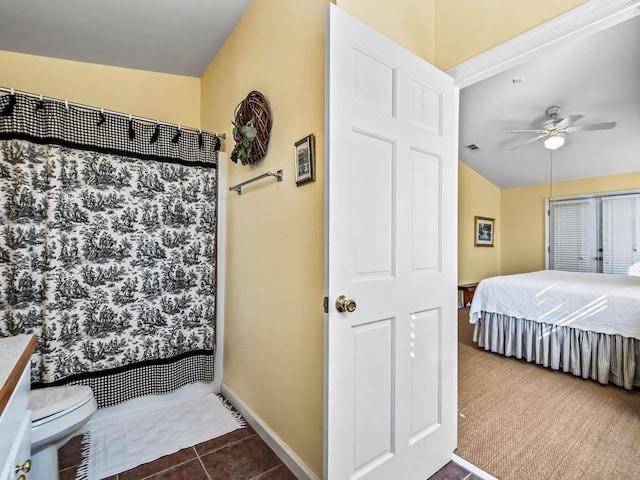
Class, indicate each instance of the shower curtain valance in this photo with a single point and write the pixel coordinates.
(107, 248)
(24, 117)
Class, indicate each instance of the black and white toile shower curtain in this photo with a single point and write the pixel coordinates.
(107, 248)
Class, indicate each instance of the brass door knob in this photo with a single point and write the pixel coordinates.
(22, 477)
(25, 467)
(344, 304)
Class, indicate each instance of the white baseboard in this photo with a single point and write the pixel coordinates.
(297, 466)
(472, 468)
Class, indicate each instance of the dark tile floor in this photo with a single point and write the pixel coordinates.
(453, 471)
(241, 454)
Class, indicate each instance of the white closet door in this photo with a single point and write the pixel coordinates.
(620, 225)
(573, 235)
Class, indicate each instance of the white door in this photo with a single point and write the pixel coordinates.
(391, 246)
(573, 236)
(620, 233)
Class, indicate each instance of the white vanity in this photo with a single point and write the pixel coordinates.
(15, 418)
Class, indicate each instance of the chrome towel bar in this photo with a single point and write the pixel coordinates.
(238, 188)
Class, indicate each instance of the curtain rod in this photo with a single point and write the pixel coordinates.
(67, 104)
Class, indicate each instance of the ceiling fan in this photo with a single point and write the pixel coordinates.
(554, 129)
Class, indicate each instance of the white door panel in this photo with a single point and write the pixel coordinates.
(391, 245)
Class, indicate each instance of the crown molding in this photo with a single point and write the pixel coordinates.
(587, 19)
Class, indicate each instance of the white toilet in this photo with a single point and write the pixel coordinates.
(57, 413)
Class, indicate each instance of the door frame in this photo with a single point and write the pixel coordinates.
(580, 22)
(221, 250)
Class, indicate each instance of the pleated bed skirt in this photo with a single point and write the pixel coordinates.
(601, 357)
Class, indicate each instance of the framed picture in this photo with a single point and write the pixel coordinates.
(484, 232)
(305, 160)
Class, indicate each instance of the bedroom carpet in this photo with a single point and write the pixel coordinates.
(520, 421)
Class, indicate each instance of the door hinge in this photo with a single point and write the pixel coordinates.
(325, 305)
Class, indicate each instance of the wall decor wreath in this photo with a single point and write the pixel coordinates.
(251, 129)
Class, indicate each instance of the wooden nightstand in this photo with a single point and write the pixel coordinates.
(468, 289)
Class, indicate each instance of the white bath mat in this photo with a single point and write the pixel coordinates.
(118, 443)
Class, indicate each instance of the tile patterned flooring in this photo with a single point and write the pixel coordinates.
(453, 471)
(239, 455)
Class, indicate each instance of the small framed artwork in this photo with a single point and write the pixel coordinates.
(484, 232)
(305, 160)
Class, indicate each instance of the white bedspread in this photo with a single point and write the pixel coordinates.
(587, 301)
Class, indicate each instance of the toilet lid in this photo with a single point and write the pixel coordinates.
(44, 402)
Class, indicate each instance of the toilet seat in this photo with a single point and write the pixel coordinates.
(47, 404)
(57, 414)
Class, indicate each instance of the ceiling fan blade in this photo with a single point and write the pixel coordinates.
(591, 126)
(570, 120)
(528, 142)
(526, 131)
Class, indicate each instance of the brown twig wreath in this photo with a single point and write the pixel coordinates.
(251, 129)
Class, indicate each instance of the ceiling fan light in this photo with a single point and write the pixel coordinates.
(554, 142)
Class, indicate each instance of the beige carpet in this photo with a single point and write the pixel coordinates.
(519, 421)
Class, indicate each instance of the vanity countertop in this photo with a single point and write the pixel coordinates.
(15, 353)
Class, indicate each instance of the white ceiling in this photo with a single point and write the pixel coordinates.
(598, 76)
(169, 36)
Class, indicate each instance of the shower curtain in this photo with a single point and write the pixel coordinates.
(107, 247)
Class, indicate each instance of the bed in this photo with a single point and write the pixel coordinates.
(584, 323)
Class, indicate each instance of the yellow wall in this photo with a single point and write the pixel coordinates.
(477, 197)
(273, 349)
(465, 28)
(169, 98)
(410, 23)
(523, 221)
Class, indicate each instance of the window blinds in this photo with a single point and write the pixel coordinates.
(573, 235)
(620, 225)
(596, 234)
